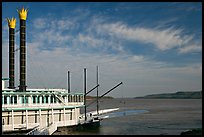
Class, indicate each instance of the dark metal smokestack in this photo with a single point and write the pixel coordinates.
(22, 16)
(11, 25)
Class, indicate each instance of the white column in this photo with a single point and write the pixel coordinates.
(2, 99)
(64, 116)
(12, 117)
(75, 115)
(17, 100)
(27, 119)
(40, 100)
(40, 120)
(21, 100)
(53, 116)
(13, 99)
(36, 99)
(44, 99)
(8, 100)
(30, 100)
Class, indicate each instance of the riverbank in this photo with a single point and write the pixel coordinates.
(197, 131)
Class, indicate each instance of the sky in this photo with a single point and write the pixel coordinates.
(152, 47)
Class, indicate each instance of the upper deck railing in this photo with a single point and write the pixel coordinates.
(40, 97)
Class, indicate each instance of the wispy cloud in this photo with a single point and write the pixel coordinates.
(163, 39)
(63, 32)
(191, 48)
(39, 23)
(99, 34)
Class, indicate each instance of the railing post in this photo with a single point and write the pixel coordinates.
(64, 117)
(8, 100)
(2, 99)
(40, 120)
(26, 119)
(12, 117)
(52, 116)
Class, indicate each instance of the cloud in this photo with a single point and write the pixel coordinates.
(163, 39)
(39, 23)
(90, 41)
(64, 32)
(102, 36)
(49, 34)
(191, 48)
(137, 58)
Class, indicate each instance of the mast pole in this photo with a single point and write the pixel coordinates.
(85, 93)
(68, 82)
(97, 88)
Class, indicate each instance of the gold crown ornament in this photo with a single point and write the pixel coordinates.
(22, 13)
(11, 22)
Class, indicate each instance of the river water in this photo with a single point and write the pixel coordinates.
(144, 117)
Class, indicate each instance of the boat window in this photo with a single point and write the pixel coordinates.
(5, 99)
(51, 99)
(11, 100)
(43, 97)
(79, 100)
(15, 99)
(74, 98)
(38, 99)
(25, 99)
(33, 98)
(46, 99)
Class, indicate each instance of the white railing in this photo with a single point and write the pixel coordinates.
(52, 128)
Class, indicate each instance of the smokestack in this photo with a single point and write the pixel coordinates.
(22, 15)
(11, 25)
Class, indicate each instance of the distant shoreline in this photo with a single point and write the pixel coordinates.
(177, 95)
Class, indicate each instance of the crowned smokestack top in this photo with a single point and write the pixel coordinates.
(11, 25)
(22, 15)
